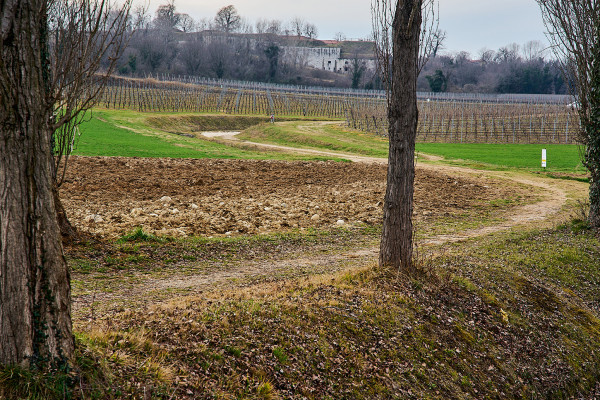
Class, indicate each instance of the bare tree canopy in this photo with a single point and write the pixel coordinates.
(166, 17)
(187, 23)
(431, 38)
(140, 17)
(311, 31)
(297, 26)
(534, 50)
(228, 19)
(573, 28)
(273, 26)
(86, 39)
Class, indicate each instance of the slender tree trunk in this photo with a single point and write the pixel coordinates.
(592, 159)
(592, 137)
(35, 315)
(396, 249)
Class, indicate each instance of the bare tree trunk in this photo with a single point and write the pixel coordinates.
(591, 130)
(35, 314)
(396, 240)
(594, 216)
(68, 232)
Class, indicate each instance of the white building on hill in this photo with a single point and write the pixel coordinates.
(326, 58)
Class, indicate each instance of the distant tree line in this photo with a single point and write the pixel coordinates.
(226, 47)
(510, 69)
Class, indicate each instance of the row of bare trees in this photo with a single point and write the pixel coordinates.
(226, 46)
(217, 56)
(227, 19)
(514, 74)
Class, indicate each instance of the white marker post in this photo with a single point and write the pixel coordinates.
(543, 158)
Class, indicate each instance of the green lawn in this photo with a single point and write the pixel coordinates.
(105, 138)
(560, 158)
(134, 134)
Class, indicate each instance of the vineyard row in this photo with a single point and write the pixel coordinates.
(439, 121)
(482, 123)
(147, 96)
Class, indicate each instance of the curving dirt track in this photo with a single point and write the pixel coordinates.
(108, 197)
(553, 193)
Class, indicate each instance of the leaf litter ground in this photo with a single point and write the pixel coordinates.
(332, 327)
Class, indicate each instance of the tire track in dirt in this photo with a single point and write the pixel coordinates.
(553, 202)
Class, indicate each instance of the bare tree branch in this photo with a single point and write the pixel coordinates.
(86, 39)
(572, 28)
(382, 18)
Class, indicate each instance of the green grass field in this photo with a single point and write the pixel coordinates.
(315, 135)
(134, 134)
(101, 137)
(560, 158)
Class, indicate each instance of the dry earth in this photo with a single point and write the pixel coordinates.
(109, 197)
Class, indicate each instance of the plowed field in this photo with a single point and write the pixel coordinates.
(109, 197)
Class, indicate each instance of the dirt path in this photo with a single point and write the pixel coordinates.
(231, 136)
(553, 195)
(554, 198)
(228, 135)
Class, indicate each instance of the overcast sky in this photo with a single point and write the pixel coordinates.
(470, 24)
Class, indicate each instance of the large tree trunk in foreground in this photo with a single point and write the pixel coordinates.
(397, 237)
(35, 315)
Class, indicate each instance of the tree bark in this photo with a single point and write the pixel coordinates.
(68, 232)
(594, 216)
(592, 132)
(396, 249)
(35, 314)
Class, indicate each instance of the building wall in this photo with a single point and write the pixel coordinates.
(327, 58)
